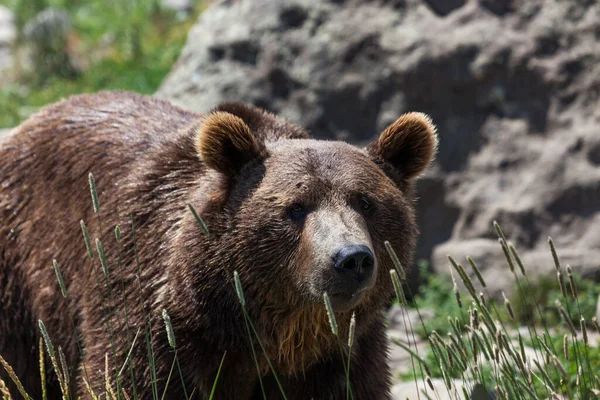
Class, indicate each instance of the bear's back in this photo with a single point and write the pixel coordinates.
(45, 162)
(44, 191)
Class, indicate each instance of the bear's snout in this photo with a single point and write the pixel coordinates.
(355, 262)
(354, 272)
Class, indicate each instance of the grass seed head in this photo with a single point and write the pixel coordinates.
(522, 348)
(566, 318)
(13, 376)
(583, 330)
(572, 285)
(330, 314)
(556, 362)
(42, 363)
(86, 238)
(561, 284)
(554, 255)
(508, 307)
(64, 366)
(110, 393)
(430, 383)
(47, 341)
(496, 351)
(499, 231)
(352, 329)
(474, 348)
(94, 193)
(59, 277)
(477, 271)
(395, 260)
(514, 253)
(169, 328)
(511, 265)
(475, 318)
(89, 389)
(238, 288)
(463, 275)
(398, 287)
(457, 295)
(102, 257)
(53, 358)
(4, 391)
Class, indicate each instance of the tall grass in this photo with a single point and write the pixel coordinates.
(483, 346)
(479, 348)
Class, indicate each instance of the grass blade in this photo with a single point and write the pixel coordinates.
(214, 387)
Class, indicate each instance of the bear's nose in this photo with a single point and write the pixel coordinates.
(357, 259)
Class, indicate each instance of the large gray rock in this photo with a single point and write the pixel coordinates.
(513, 86)
(8, 35)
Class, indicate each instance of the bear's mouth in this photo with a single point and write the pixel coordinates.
(345, 301)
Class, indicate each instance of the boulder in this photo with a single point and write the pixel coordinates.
(514, 88)
(8, 35)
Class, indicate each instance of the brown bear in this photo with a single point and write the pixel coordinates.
(294, 216)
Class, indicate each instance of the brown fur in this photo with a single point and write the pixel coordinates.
(223, 137)
(409, 143)
(241, 168)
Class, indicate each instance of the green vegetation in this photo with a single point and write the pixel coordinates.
(436, 295)
(477, 341)
(115, 44)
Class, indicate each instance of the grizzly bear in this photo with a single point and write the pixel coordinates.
(295, 217)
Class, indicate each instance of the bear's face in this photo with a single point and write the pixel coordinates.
(315, 214)
(326, 204)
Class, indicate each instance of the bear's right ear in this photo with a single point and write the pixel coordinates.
(226, 143)
(408, 145)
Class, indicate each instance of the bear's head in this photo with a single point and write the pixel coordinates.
(299, 217)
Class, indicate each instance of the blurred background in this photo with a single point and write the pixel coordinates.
(513, 85)
(50, 49)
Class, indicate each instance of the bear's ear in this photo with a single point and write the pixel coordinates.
(226, 143)
(408, 145)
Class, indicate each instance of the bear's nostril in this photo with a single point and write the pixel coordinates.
(368, 262)
(349, 263)
(354, 258)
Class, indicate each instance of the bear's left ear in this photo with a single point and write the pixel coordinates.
(226, 143)
(408, 145)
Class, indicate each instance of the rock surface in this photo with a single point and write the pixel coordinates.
(8, 35)
(514, 87)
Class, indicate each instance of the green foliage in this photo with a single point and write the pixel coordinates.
(546, 290)
(479, 343)
(436, 295)
(133, 53)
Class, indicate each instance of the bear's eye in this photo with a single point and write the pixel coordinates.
(297, 211)
(365, 205)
